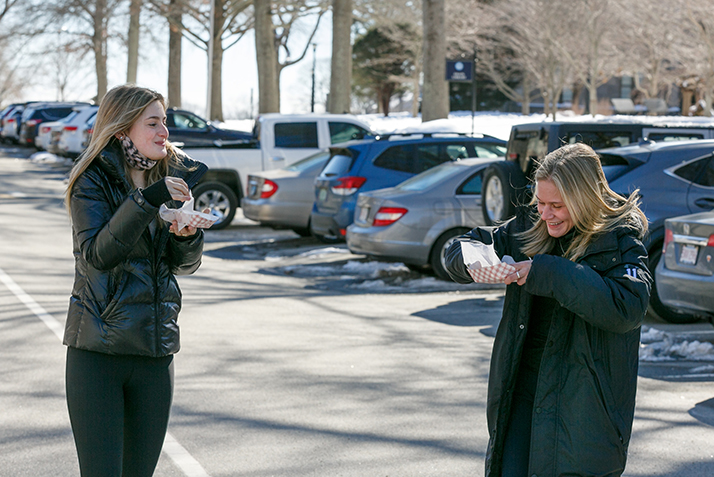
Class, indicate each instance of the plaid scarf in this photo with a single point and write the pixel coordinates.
(135, 159)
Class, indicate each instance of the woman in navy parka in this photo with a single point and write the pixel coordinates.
(563, 376)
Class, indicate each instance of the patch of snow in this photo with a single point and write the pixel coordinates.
(47, 158)
(657, 345)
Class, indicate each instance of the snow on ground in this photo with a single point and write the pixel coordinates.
(657, 345)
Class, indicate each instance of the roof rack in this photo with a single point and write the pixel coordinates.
(396, 135)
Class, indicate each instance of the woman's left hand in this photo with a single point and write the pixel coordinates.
(520, 273)
(186, 231)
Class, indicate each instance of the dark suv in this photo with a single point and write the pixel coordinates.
(384, 161)
(506, 183)
(190, 130)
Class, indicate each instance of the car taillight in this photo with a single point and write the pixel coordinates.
(89, 131)
(33, 122)
(70, 128)
(348, 185)
(513, 156)
(9, 121)
(710, 243)
(269, 188)
(45, 129)
(668, 237)
(388, 215)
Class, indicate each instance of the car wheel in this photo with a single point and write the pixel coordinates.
(219, 198)
(503, 189)
(437, 257)
(663, 311)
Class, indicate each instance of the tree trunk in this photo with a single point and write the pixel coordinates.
(217, 66)
(267, 58)
(435, 102)
(526, 103)
(341, 68)
(175, 36)
(416, 88)
(99, 45)
(133, 37)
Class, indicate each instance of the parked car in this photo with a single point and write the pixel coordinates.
(38, 113)
(71, 140)
(283, 198)
(277, 141)
(190, 130)
(11, 124)
(674, 179)
(46, 131)
(385, 161)
(416, 221)
(507, 184)
(685, 278)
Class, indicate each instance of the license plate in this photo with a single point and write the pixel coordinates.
(688, 256)
(363, 214)
(322, 195)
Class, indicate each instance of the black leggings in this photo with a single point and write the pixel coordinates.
(119, 408)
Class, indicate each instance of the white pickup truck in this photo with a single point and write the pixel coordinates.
(278, 141)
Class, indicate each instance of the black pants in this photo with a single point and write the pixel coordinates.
(119, 408)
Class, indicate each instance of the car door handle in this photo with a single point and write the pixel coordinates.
(705, 203)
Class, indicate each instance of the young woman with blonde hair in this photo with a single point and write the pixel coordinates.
(563, 378)
(122, 330)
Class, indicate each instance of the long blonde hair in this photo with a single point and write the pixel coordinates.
(576, 171)
(121, 107)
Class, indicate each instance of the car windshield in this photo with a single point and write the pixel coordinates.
(430, 177)
(309, 161)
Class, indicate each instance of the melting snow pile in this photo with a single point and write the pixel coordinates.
(657, 345)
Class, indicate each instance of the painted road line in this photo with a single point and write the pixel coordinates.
(176, 452)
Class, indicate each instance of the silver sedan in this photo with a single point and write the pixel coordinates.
(417, 220)
(685, 278)
(283, 198)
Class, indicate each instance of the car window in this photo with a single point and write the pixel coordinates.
(296, 135)
(691, 172)
(430, 155)
(664, 137)
(188, 121)
(341, 132)
(472, 186)
(338, 165)
(489, 151)
(601, 139)
(430, 177)
(705, 177)
(397, 158)
(457, 151)
(309, 162)
(53, 114)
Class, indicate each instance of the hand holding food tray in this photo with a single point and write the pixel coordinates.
(483, 264)
(186, 216)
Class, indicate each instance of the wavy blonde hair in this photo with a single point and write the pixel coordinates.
(576, 171)
(121, 107)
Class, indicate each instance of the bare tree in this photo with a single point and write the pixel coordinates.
(192, 18)
(435, 102)
(273, 25)
(341, 68)
(6, 6)
(696, 47)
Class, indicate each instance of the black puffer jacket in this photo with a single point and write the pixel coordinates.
(125, 298)
(585, 398)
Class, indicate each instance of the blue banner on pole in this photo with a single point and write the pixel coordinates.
(458, 70)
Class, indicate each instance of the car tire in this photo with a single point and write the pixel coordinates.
(437, 258)
(219, 198)
(668, 314)
(504, 188)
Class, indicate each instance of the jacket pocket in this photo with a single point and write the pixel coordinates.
(117, 287)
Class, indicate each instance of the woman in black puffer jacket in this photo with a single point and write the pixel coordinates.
(122, 328)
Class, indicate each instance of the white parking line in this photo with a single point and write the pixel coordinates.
(176, 452)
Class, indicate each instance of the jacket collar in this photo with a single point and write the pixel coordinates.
(604, 242)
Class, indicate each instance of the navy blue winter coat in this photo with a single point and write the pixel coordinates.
(585, 396)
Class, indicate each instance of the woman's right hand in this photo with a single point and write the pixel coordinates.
(177, 188)
(520, 274)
